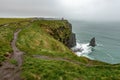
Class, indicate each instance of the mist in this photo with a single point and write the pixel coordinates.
(89, 10)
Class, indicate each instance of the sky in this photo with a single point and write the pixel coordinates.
(93, 10)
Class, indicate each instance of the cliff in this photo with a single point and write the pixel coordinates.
(44, 53)
(61, 32)
(72, 38)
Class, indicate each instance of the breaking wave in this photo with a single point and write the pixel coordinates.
(82, 49)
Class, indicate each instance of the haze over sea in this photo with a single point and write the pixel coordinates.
(107, 36)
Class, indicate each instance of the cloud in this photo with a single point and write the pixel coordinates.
(28, 7)
(101, 10)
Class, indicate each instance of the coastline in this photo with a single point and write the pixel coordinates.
(46, 55)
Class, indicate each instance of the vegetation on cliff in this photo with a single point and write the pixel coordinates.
(45, 55)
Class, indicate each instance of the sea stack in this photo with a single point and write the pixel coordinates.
(92, 42)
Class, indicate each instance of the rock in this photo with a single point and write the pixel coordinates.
(92, 42)
(77, 50)
(72, 40)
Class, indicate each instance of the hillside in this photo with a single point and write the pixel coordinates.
(33, 49)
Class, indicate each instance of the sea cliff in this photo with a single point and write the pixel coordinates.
(61, 32)
(44, 44)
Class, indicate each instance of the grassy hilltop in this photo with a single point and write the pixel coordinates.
(45, 55)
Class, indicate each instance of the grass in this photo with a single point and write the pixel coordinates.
(6, 35)
(13, 61)
(44, 37)
(38, 69)
(34, 39)
(11, 20)
(48, 70)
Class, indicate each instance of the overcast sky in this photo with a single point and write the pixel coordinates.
(70, 9)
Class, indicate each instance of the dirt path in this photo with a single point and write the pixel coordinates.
(9, 71)
(68, 60)
(59, 59)
(17, 54)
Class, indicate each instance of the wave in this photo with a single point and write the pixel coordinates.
(82, 49)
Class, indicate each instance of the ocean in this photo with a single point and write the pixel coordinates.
(107, 35)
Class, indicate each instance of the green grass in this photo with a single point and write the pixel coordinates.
(11, 20)
(6, 36)
(13, 61)
(34, 39)
(48, 70)
(38, 69)
(44, 37)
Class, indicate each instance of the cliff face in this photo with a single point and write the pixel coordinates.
(61, 32)
(72, 38)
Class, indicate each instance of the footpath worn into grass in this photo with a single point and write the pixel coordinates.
(45, 56)
(10, 71)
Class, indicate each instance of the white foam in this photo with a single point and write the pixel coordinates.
(98, 44)
(84, 49)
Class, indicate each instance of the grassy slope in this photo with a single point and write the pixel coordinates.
(35, 40)
(6, 35)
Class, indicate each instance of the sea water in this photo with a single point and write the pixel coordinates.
(107, 36)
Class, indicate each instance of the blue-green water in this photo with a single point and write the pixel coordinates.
(107, 37)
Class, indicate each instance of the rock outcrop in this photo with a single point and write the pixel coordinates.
(72, 38)
(70, 41)
(92, 42)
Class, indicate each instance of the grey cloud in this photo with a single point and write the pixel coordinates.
(102, 10)
(28, 7)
